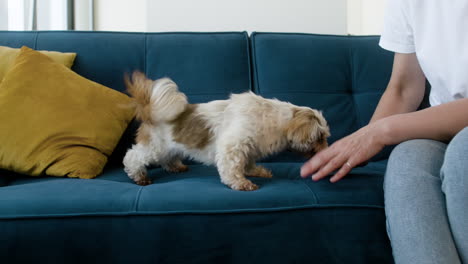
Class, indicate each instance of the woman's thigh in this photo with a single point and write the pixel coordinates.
(417, 220)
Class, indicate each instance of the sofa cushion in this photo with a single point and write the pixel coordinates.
(198, 190)
(57, 122)
(206, 66)
(192, 217)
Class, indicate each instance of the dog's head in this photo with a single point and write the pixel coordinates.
(307, 131)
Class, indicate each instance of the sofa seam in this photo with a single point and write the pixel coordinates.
(36, 36)
(316, 34)
(126, 32)
(145, 54)
(193, 32)
(256, 86)
(317, 201)
(137, 199)
(195, 212)
(351, 69)
(321, 92)
(249, 60)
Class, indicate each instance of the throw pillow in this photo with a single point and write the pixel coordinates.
(56, 122)
(8, 56)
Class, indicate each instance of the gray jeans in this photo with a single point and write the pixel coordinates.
(426, 201)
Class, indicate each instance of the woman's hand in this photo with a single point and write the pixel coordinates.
(346, 153)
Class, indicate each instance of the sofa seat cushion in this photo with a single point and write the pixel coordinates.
(197, 191)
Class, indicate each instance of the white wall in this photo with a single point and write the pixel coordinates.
(82, 15)
(314, 16)
(51, 15)
(120, 15)
(357, 17)
(3, 14)
(365, 17)
(18, 19)
(372, 16)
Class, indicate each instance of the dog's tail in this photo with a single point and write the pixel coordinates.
(155, 101)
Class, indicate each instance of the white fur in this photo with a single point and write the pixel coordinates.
(245, 127)
(167, 101)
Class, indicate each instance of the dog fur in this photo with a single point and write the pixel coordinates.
(230, 134)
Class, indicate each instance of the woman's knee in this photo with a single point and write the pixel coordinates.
(408, 150)
(411, 159)
(455, 167)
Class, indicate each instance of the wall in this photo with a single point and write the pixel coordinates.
(51, 15)
(357, 17)
(120, 15)
(82, 15)
(19, 20)
(3, 14)
(314, 16)
(372, 16)
(365, 17)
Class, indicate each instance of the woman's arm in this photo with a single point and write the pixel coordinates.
(440, 123)
(391, 123)
(405, 89)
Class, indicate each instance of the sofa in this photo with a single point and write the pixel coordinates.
(191, 217)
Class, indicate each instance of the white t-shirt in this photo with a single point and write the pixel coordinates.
(437, 30)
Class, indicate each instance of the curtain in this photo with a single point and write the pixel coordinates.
(46, 14)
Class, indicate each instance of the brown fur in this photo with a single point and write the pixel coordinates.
(143, 134)
(191, 130)
(303, 126)
(140, 88)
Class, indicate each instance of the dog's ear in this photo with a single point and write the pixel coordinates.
(305, 127)
(298, 129)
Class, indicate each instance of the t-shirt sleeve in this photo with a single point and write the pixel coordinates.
(397, 33)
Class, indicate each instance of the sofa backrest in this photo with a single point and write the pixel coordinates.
(340, 75)
(344, 76)
(206, 66)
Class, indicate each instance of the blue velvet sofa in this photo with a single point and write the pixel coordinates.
(192, 217)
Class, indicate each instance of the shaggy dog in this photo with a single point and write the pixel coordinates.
(230, 134)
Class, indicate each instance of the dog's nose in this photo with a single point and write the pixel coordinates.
(321, 146)
(309, 155)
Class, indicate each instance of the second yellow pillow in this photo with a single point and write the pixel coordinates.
(8, 56)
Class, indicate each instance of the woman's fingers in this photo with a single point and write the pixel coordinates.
(316, 162)
(343, 155)
(332, 165)
(336, 157)
(345, 169)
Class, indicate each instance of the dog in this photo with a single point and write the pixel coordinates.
(230, 134)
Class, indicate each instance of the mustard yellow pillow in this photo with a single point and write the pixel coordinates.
(8, 56)
(55, 122)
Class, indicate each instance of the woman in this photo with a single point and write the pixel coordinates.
(426, 183)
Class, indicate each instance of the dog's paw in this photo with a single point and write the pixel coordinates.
(244, 185)
(143, 181)
(259, 171)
